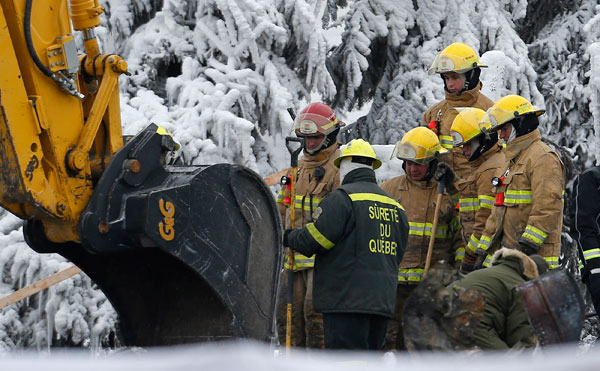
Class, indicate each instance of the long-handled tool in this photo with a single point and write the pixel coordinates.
(436, 215)
(294, 152)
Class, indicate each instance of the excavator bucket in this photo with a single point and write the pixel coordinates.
(184, 253)
(555, 307)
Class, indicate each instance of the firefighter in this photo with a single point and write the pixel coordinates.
(459, 67)
(528, 208)
(585, 213)
(416, 191)
(504, 323)
(359, 237)
(316, 176)
(486, 158)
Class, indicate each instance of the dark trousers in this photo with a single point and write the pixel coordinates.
(354, 331)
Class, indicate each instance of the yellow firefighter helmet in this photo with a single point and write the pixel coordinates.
(465, 126)
(358, 148)
(506, 109)
(419, 145)
(457, 57)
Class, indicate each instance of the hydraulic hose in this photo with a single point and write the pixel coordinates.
(29, 42)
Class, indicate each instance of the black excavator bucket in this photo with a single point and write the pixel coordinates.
(184, 253)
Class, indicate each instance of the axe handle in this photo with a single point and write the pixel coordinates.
(436, 216)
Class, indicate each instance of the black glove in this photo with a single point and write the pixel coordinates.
(445, 172)
(527, 249)
(286, 236)
(468, 264)
(481, 255)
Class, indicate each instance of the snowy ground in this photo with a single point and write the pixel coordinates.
(252, 356)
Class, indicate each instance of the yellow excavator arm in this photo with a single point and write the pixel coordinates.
(58, 130)
(184, 253)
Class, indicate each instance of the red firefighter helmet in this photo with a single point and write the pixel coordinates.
(317, 119)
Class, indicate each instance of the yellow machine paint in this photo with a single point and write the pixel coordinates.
(42, 125)
(184, 253)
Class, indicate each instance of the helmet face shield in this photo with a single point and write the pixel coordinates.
(465, 126)
(494, 118)
(448, 62)
(414, 152)
(307, 124)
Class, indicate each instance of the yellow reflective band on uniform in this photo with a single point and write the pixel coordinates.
(318, 236)
(315, 203)
(468, 204)
(460, 253)
(424, 229)
(552, 261)
(486, 201)
(591, 254)
(446, 141)
(485, 242)
(488, 261)
(518, 197)
(534, 234)
(281, 195)
(562, 197)
(410, 275)
(300, 261)
(473, 243)
(374, 197)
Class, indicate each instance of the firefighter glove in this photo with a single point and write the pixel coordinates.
(444, 172)
(481, 255)
(286, 236)
(468, 264)
(527, 249)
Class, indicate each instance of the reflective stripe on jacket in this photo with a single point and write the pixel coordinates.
(532, 212)
(309, 193)
(469, 98)
(359, 239)
(418, 199)
(477, 195)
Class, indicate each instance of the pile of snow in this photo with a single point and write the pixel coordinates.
(254, 356)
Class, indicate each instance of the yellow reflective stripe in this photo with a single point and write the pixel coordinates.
(552, 261)
(460, 253)
(446, 141)
(281, 195)
(300, 261)
(315, 202)
(410, 275)
(486, 201)
(488, 261)
(473, 243)
(424, 229)
(318, 236)
(375, 198)
(330, 125)
(562, 197)
(591, 254)
(534, 234)
(485, 242)
(468, 204)
(518, 197)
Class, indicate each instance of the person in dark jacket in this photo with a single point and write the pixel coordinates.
(585, 214)
(359, 237)
(505, 323)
